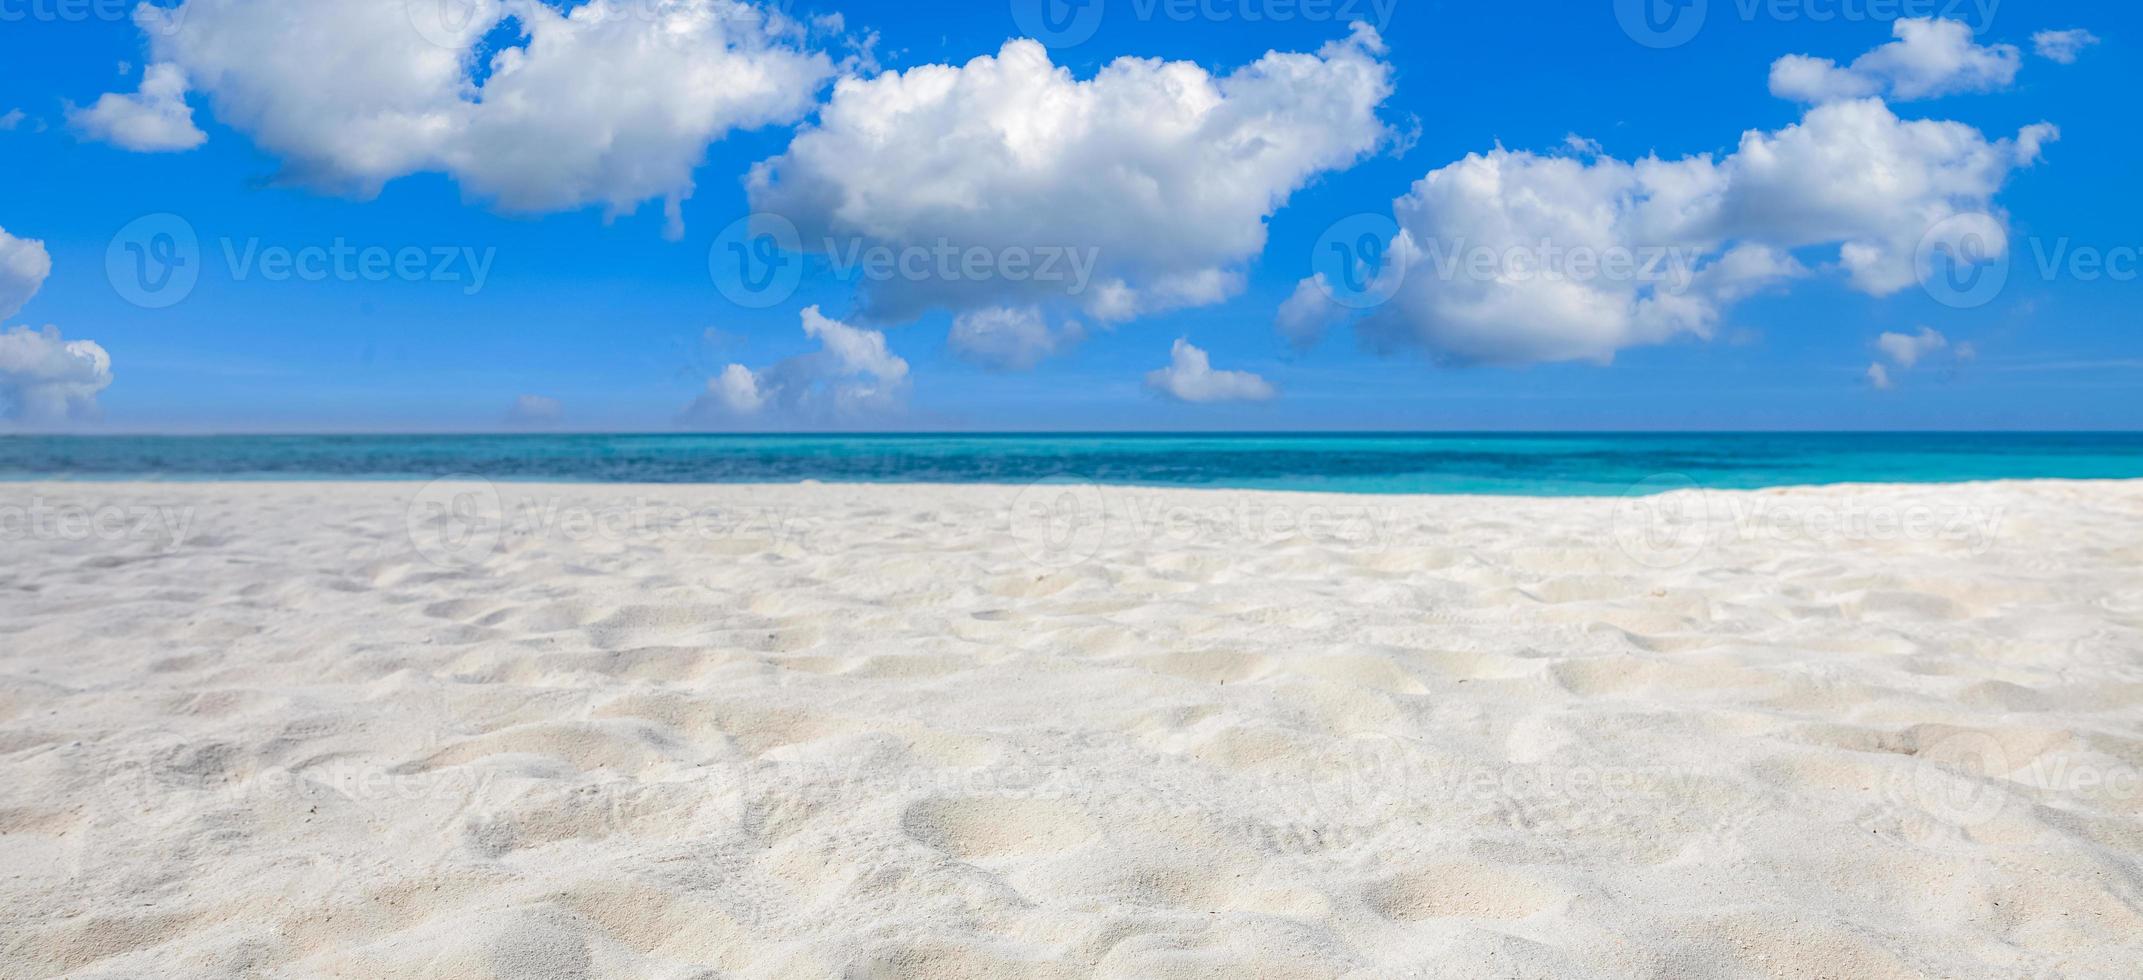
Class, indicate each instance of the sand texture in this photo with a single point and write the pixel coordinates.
(397, 730)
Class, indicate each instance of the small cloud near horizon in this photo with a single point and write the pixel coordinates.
(535, 411)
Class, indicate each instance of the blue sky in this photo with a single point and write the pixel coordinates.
(614, 325)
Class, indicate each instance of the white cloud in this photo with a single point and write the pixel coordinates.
(24, 264)
(1930, 58)
(1163, 172)
(611, 104)
(736, 391)
(853, 375)
(1585, 258)
(1745, 270)
(155, 120)
(11, 120)
(1190, 377)
(1309, 312)
(1010, 339)
(855, 351)
(1854, 173)
(1463, 296)
(44, 378)
(535, 411)
(2063, 47)
(1906, 350)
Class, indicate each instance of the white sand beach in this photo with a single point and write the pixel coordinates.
(396, 730)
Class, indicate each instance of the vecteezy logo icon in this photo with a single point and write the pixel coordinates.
(1058, 23)
(1661, 23)
(456, 521)
(1357, 258)
(1361, 787)
(1955, 780)
(1664, 521)
(1963, 261)
(451, 24)
(1060, 524)
(1358, 261)
(154, 262)
(757, 261)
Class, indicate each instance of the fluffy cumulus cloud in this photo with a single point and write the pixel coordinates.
(1190, 377)
(1630, 259)
(1930, 58)
(24, 264)
(1308, 311)
(154, 120)
(611, 103)
(735, 391)
(1010, 339)
(1853, 173)
(1907, 349)
(44, 377)
(851, 376)
(1512, 257)
(1143, 188)
(2063, 47)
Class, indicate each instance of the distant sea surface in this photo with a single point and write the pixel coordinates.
(1535, 465)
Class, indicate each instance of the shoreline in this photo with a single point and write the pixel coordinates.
(144, 480)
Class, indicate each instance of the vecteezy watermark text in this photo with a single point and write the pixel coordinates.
(463, 520)
(1061, 524)
(2064, 258)
(758, 262)
(457, 24)
(945, 260)
(1671, 267)
(1979, 13)
(69, 11)
(1360, 262)
(1673, 23)
(1967, 260)
(341, 261)
(157, 260)
(1964, 778)
(1068, 23)
(41, 520)
(1376, 12)
(1668, 520)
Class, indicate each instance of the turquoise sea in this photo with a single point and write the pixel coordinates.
(1543, 465)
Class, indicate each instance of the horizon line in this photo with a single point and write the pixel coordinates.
(1023, 433)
